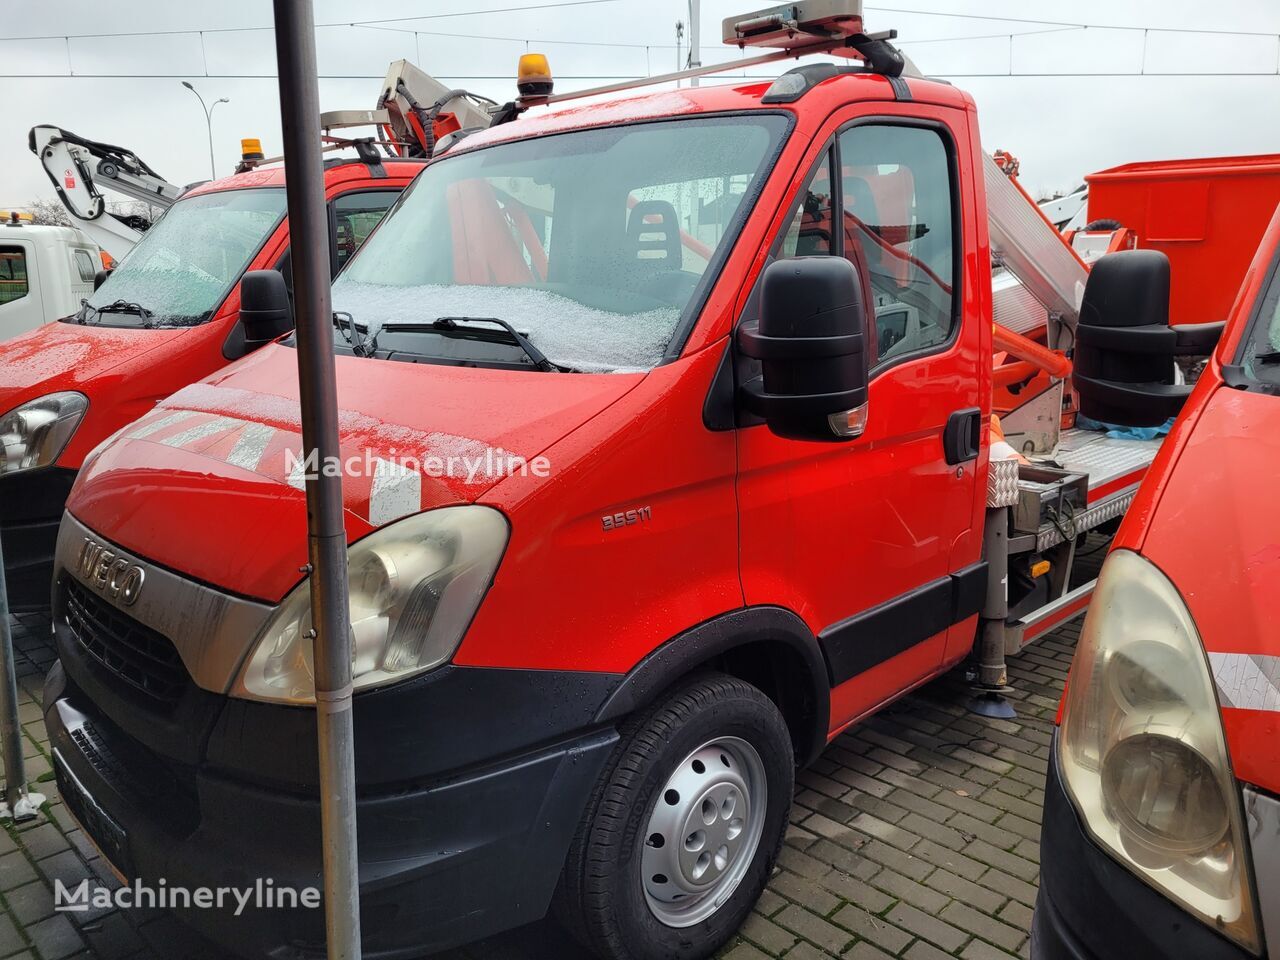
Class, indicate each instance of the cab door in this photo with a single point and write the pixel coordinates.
(21, 306)
(871, 540)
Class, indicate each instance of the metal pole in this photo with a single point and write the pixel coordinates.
(15, 776)
(695, 51)
(213, 173)
(327, 544)
(679, 39)
(208, 122)
(993, 676)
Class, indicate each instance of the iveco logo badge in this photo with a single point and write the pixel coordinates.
(109, 573)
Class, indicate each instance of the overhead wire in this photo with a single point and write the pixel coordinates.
(382, 24)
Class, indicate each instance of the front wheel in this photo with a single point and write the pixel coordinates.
(683, 830)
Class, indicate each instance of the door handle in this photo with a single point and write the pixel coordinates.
(962, 436)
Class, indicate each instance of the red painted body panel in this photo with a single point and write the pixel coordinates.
(1207, 215)
(124, 372)
(1216, 535)
(1206, 517)
(830, 530)
(572, 596)
(189, 508)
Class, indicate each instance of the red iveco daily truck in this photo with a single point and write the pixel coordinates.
(741, 338)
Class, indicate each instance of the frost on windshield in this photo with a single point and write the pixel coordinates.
(184, 265)
(597, 243)
(568, 332)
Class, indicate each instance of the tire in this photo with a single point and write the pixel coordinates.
(700, 739)
(1103, 225)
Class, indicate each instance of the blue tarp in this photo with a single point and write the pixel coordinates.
(1117, 432)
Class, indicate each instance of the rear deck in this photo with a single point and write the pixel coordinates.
(1113, 468)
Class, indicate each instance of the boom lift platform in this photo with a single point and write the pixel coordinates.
(416, 117)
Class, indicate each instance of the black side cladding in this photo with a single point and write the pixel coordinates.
(868, 639)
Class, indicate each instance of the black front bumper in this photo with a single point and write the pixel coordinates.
(31, 505)
(1092, 908)
(443, 861)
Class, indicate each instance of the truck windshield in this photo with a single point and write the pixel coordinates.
(594, 244)
(184, 266)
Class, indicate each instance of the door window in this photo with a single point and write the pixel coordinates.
(13, 274)
(897, 193)
(354, 217)
(84, 265)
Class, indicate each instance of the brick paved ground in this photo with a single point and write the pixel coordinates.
(914, 836)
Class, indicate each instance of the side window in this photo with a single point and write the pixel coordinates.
(354, 217)
(13, 274)
(84, 264)
(897, 193)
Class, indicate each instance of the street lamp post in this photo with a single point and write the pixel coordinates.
(208, 119)
(326, 535)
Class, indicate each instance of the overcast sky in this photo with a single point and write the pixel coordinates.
(1060, 127)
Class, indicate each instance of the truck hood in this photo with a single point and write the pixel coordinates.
(68, 356)
(1216, 534)
(210, 484)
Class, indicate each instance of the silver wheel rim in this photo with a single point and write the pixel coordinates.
(703, 831)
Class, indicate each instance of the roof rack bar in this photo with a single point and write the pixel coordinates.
(791, 53)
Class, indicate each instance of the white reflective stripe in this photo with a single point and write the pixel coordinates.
(1247, 681)
(298, 473)
(155, 426)
(250, 445)
(200, 431)
(396, 492)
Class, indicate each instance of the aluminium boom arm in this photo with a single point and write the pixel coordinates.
(69, 162)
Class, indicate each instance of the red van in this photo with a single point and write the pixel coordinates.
(1161, 833)
(166, 316)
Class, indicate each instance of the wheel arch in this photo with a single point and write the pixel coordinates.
(769, 647)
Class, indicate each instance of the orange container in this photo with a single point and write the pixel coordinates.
(1207, 215)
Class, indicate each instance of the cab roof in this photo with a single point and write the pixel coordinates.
(818, 102)
(337, 170)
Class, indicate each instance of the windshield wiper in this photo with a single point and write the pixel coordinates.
(121, 306)
(361, 344)
(447, 325)
(168, 322)
(1267, 357)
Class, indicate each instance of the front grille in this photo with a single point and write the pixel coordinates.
(141, 658)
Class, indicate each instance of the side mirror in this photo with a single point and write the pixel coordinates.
(100, 278)
(811, 341)
(265, 313)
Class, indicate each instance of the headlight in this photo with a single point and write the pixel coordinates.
(415, 585)
(1143, 753)
(35, 434)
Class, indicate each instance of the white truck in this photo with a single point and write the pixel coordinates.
(44, 274)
